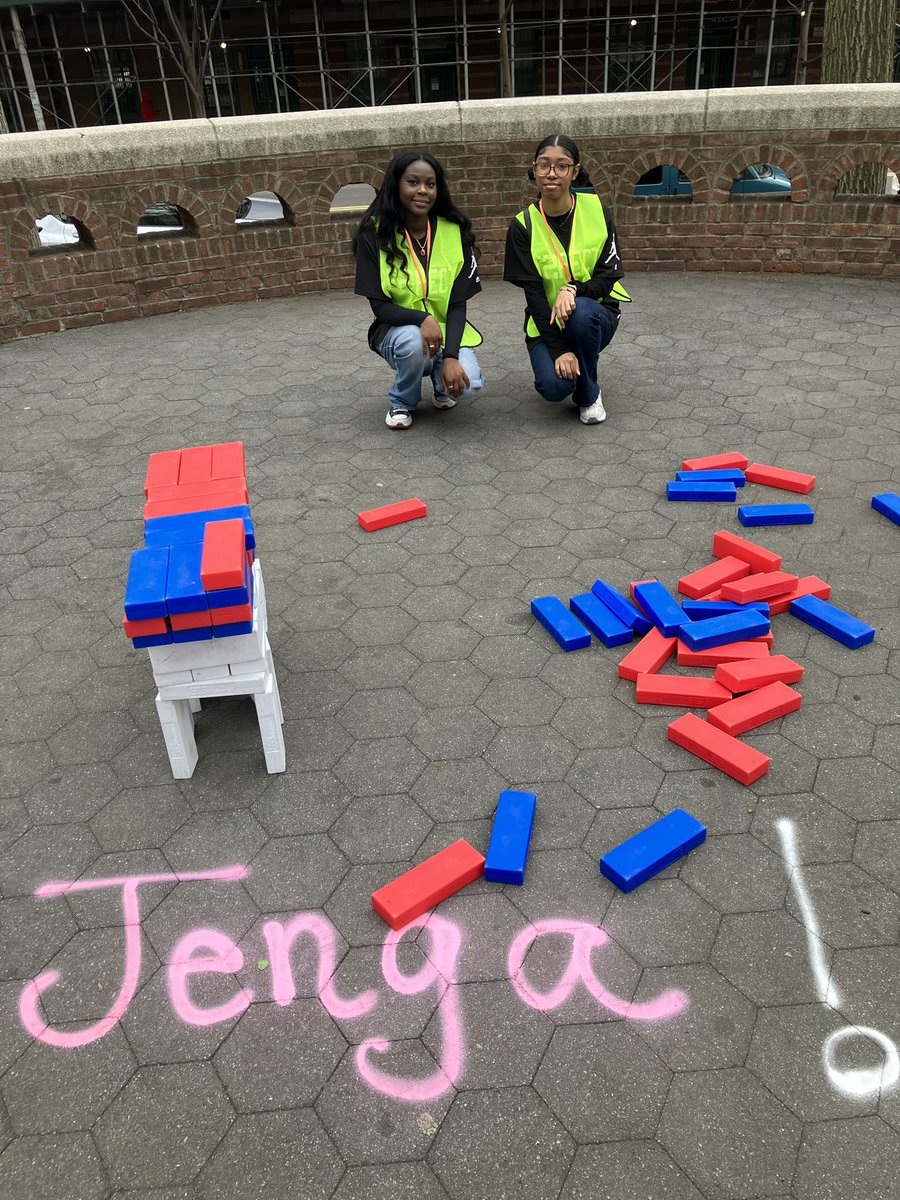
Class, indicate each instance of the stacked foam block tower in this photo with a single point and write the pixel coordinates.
(195, 597)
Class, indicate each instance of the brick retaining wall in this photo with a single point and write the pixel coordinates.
(105, 178)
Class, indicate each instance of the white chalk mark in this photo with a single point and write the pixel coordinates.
(855, 1082)
(828, 993)
(862, 1082)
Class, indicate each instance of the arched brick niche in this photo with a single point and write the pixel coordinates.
(106, 178)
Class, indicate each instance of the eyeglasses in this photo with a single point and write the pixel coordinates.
(543, 166)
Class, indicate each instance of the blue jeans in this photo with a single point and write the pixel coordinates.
(401, 349)
(588, 331)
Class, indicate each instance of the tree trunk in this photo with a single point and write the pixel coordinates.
(859, 48)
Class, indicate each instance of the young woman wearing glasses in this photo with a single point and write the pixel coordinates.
(562, 252)
(415, 263)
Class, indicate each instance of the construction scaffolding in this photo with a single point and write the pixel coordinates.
(65, 65)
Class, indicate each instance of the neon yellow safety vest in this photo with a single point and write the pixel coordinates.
(446, 262)
(584, 249)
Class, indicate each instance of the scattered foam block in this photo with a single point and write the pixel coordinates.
(888, 504)
(809, 585)
(685, 691)
(705, 610)
(758, 587)
(733, 627)
(713, 462)
(602, 623)
(834, 622)
(746, 675)
(708, 578)
(704, 490)
(647, 656)
(162, 470)
(411, 894)
(726, 475)
(620, 607)
(562, 626)
(755, 708)
(661, 607)
(145, 591)
(510, 837)
(788, 481)
(718, 748)
(391, 514)
(757, 557)
(223, 563)
(775, 514)
(652, 850)
(731, 652)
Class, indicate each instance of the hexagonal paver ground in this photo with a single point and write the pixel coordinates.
(690, 1055)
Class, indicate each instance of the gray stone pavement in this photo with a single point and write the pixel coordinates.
(416, 685)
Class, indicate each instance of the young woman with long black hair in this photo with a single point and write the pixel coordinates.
(563, 253)
(415, 263)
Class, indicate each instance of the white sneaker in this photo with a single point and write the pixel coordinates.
(593, 414)
(445, 401)
(398, 418)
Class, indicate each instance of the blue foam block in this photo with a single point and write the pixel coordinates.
(700, 491)
(719, 631)
(850, 631)
(566, 629)
(203, 634)
(237, 627)
(600, 621)
(621, 607)
(652, 850)
(661, 607)
(145, 591)
(185, 592)
(888, 504)
(775, 514)
(189, 527)
(153, 639)
(725, 475)
(703, 610)
(510, 836)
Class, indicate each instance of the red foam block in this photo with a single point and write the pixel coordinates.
(688, 692)
(194, 620)
(719, 748)
(228, 461)
(715, 462)
(788, 481)
(748, 674)
(758, 557)
(223, 561)
(647, 656)
(231, 615)
(755, 708)
(236, 495)
(760, 586)
(391, 514)
(731, 652)
(148, 628)
(408, 896)
(190, 491)
(809, 585)
(707, 579)
(162, 469)
(196, 465)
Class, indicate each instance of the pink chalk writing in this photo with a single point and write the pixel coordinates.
(585, 939)
(210, 951)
